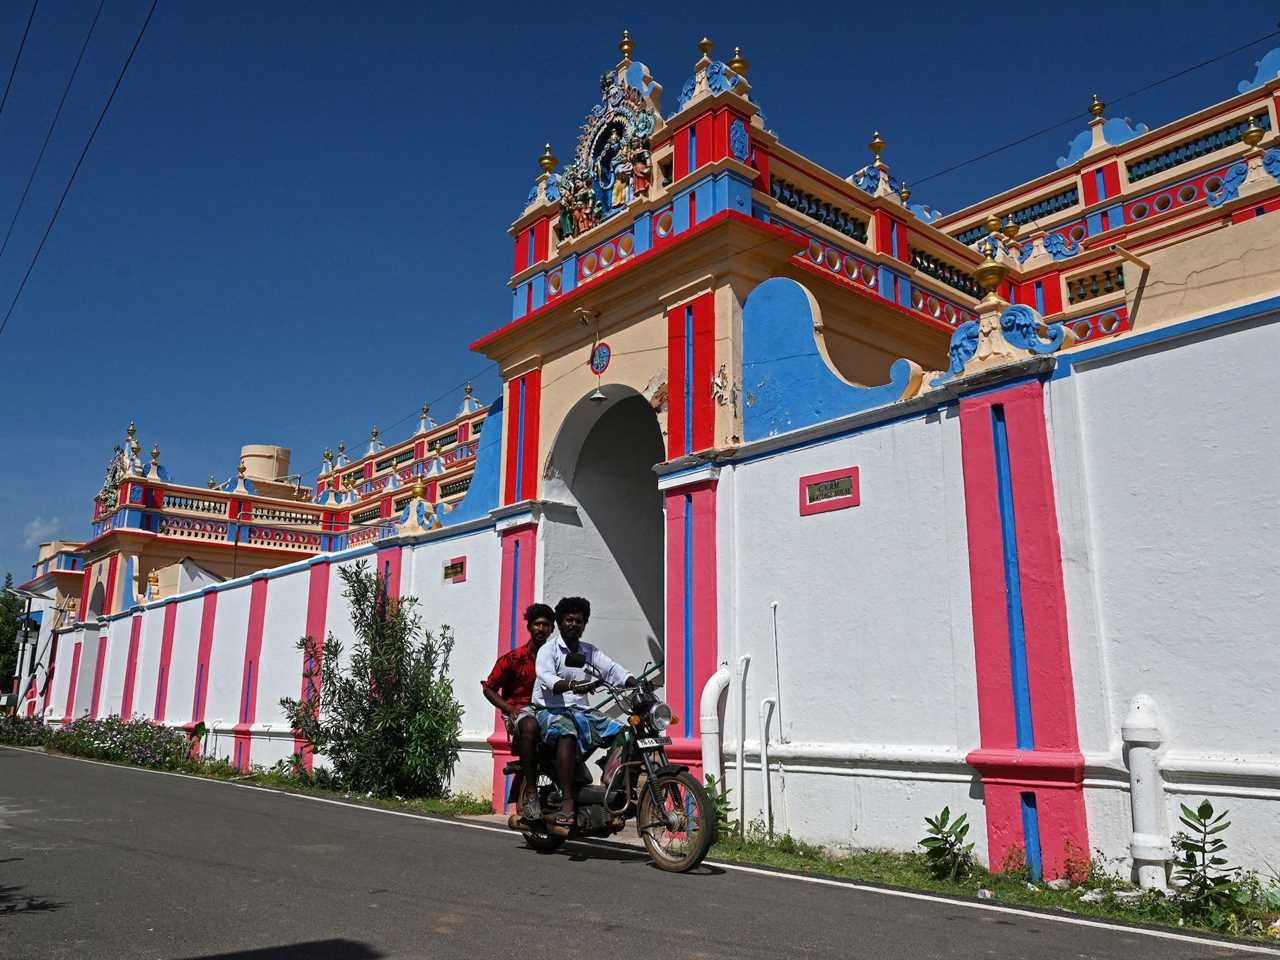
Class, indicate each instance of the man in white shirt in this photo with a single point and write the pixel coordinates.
(560, 695)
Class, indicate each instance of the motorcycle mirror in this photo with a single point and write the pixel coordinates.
(576, 660)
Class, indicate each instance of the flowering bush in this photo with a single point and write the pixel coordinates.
(139, 742)
(22, 731)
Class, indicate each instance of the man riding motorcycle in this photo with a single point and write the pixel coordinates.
(567, 727)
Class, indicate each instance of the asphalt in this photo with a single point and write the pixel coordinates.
(103, 862)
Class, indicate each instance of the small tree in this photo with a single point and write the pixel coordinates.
(387, 720)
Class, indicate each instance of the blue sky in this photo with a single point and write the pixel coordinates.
(292, 223)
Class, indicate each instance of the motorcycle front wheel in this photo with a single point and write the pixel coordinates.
(678, 832)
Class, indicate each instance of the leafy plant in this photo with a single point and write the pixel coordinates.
(947, 855)
(139, 742)
(22, 731)
(385, 718)
(1210, 886)
(719, 794)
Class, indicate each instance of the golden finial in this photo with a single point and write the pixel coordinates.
(242, 470)
(373, 434)
(426, 409)
(1253, 133)
(989, 273)
(419, 489)
(738, 64)
(876, 144)
(153, 582)
(705, 46)
(342, 447)
(213, 484)
(1096, 106)
(1011, 227)
(328, 455)
(992, 223)
(134, 446)
(155, 453)
(132, 431)
(548, 161)
(468, 389)
(626, 44)
(904, 192)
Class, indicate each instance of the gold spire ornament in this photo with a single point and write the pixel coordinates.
(876, 145)
(468, 389)
(426, 409)
(626, 45)
(1011, 227)
(213, 484)
(738, 63)
(1096, 107)
(328, 455)
(419, 489)
(1253, 133)
(705, 46)
(548, 161)
(904, 192)
(155, 455)
(373, 434)
(132, 431)
(241, 470)
(990, 274)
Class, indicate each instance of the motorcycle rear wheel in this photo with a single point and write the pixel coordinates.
(678, 835)
(538, 838)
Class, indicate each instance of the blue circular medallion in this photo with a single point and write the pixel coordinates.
(600, 358)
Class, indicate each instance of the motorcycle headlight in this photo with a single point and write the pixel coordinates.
(660, 716)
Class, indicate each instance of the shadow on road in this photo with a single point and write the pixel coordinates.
(598, 851)
(310, 950)
(13, 900)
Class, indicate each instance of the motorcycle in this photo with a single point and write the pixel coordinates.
(674, 815)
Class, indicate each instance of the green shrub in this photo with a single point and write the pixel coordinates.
(719, 794)
(387, 721)
(948, 856)
(139, 742)
(1210, 889)
(22, 731)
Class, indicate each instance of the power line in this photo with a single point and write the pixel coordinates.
(1075, 117)
(49, 135)
(83, 153)
(18, 59)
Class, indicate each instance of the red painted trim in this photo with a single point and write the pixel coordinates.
(249, 672)
(704, 365)
(461, 577)
(85, 583)
(705, 638)
(98, 669)
(1111, 178)
(166, 657)
(673, 656)
(760, 158)
(532, 415)
(71, 683)
(660, 248)
(541, 240)
(705, 147)
(1054, 769)
(389, 560)
(521, 260)
(208, 612)
(48, 678)
(509, 626)
(464, 431)
(675, 381)
(1089, 187)
(834, 503)
(317, 612)
(131, 668)
(680, 154)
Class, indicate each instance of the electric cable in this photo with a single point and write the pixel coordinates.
(13, 71)
(49, 135)
(1075, 117)
(83, 153)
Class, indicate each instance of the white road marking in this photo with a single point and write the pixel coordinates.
(735, 867)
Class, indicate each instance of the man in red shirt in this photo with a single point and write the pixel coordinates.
(509, 687)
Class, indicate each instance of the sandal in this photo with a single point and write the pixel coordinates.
(562, 824)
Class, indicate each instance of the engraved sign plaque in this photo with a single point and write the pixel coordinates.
(832, 490)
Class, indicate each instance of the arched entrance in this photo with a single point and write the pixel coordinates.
(607, 545)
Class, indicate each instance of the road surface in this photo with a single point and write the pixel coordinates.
(104, 862)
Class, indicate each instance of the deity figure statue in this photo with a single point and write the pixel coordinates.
(640, 174)
(604, 174)
(582, 200)
(621, 180)
(566, 213)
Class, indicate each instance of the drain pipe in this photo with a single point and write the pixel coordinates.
(766, 713)
(744, 661)
(1149, 845)
(709, 723)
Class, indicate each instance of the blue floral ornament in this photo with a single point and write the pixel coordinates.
(868, 179)
(739, 142)
(1271, 163)
(533, 195)
(553, 188)
(964, 347)
(1021, 328)
(1230, 187)
(1059, 247)
(686, 93)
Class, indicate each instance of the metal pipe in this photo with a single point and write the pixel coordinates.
(1132, 258)
(709, 723)
(744, 661)
(1149, 844)
(777, 671)
(766, 712)
(1142, 280)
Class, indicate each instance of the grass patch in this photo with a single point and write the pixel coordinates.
(910, 871)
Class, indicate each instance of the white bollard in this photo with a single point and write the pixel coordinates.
(1149, 845)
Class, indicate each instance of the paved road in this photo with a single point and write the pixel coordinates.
(101, 862)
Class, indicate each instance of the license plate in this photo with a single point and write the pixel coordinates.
(652, 743)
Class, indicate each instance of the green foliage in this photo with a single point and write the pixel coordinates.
(1210, 887)
(385, 717)
(719, 794)
(948, 856)
(22, 731)
(11, 610)
(138, 742)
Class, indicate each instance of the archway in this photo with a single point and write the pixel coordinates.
(608, 544)
(97, 600)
